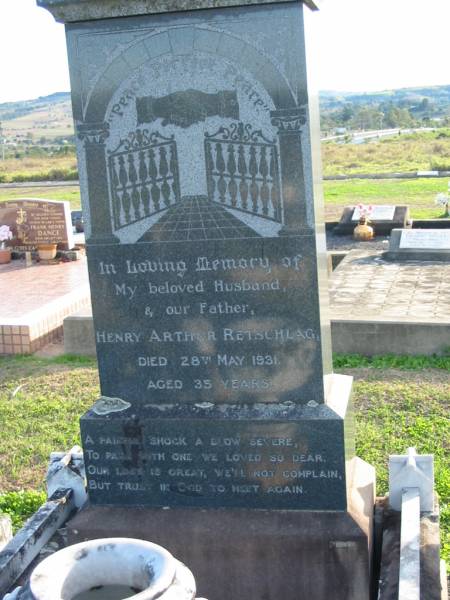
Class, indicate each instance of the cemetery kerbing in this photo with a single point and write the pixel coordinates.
(219, 460)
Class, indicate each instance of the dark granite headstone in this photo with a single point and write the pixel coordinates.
(197, 141)
(34, 222)
(195, 135)
(383, 220)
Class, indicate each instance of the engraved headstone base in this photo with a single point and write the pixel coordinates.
(257, 554)
(278, 456)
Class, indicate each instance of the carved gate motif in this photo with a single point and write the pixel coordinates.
(242, 169)
(144, 176)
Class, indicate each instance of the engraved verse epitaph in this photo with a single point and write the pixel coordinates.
(211, 462)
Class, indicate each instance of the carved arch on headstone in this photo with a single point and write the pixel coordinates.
(184, 40)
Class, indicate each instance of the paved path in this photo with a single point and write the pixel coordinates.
(197, 219)
(366, 287)
(26, 290)
(35, 300)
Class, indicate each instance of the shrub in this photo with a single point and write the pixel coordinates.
(21, 505)
(440, 165)
(61, 174)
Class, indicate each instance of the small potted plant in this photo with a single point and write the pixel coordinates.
(5, 253)
(47, 251)
(443, 200)
(363, 231)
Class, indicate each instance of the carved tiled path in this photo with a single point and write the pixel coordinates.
(197, 219)
(35, 300)
(369, 288)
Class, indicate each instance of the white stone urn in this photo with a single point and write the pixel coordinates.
(113, 569)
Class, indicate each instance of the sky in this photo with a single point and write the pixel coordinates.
(361, 45)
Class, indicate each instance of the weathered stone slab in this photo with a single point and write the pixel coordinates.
(274, 456)
(35, 222)
(89, 10)
(366, 287)
(17, 555)
(419, 244)
(432, 586)
(293, 554)
(384, 219)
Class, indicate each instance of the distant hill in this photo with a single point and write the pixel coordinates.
(404, 107)
(42, 120)
(13, 110)
(438, 95)
(48, 119)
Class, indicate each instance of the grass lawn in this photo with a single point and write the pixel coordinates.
(70, 193)
(418, 194)
(399, 403)
(403, 153)
(39, 168)
(421, 151)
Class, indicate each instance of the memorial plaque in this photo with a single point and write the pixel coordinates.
(383, 219)
(34, 222)
(379, 213)
(425, 239)
(206, 256)
(419, 244)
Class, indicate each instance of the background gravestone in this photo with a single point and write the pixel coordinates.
(35, 222)
(419, 244)
(206, 253)
(384, 219)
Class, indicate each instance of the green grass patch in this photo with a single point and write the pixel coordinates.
(34, 166)
(69, 193)
(50, 175)
(392, 416)
(21, 505)
(41, 401)
(399, 402)
(391, 361)
(419, 194)
(421, 151)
